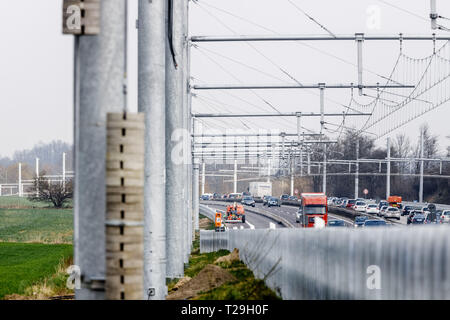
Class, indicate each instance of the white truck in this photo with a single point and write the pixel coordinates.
(260, 189)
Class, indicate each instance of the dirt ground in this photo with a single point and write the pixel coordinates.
(204, 223)
(210, 277)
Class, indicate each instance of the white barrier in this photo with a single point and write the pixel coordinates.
(335, 263)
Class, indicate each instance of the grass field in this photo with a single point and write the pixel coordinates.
(35, 247)
(25, 264)
(36, 225)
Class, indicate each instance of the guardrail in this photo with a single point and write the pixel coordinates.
(376, 263)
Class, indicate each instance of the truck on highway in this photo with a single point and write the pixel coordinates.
(313, 205)
(235, 213)
(395, 201)
(260, 189)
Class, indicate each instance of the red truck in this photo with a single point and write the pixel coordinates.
(314, 205)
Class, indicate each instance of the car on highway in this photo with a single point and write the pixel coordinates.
(335, 223)
(407, 209)
(298, 215)
(445, 216)
(372, 209)
(273, 202)
(248, 201)
(431, 207)
(350, 203)
(415, 217)
(360, 206)
(266, 199)
(359, 221)
(382, 203)
(293, 198)
(382, 210)
(207, 196)
(284, 197)
(432, 217)
(392, 212)
(343, 203)
(425, 209)
(374, 223)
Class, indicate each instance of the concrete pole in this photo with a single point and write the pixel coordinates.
(20, 179)
(195, 189)
(37, 177)
(152, 40)
(203, 177)
(235, 177)
(99, 66)
(357, 169)
(388, 169)
(269, 169)
(176, 174)
(421, 167)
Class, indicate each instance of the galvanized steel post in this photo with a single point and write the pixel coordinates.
(152, 38)
(99, 66)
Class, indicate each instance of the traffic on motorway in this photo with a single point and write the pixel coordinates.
(311, 210)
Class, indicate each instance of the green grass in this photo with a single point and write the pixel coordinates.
(20, 202)
(246, 287)
(36, 225)
(25, 264)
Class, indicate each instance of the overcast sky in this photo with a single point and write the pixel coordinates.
(37, 61)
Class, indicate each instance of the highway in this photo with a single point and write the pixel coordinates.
(257, 221)
(260, 222)
(252, 220)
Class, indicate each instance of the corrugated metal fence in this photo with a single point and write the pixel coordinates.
(334, 263)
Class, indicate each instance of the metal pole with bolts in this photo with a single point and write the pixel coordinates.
(421, 166)
(152, 39)
(322, 122)
(176, 219)
(388, 169)
(99, 66)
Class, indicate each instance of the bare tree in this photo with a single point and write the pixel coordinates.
(57, 193)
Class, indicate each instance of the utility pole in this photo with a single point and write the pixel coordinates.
(421, 165)
(299, 140)
(324, 179)
(20, 180)
(357, 169)
(195, 189)
(37, 177)
(152, 38)
(203, 177)
(64, 171)
(359, 43)
(235, 177)
(292, 175)
(433, 14)
(388, 169)
(176, 173)
(99, 69)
